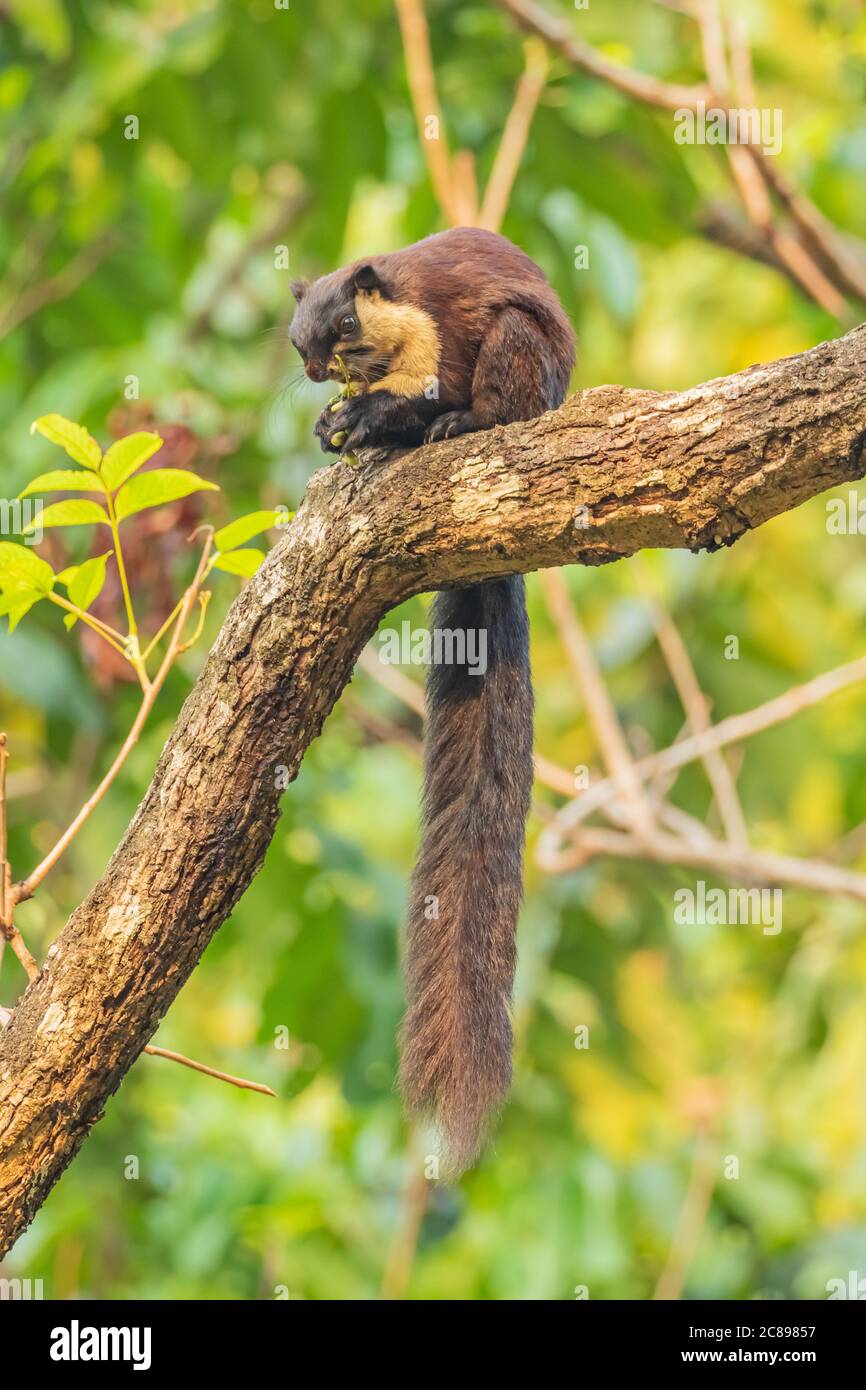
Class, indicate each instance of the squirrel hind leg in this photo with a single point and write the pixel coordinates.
(520, 372)
(452, 423)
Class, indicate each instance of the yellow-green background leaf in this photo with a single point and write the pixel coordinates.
(64, 480)
(75, 439)
(16, 605)
(85, 584)
(156, 488)
(21, 568)
(75, 512)
(241, 562)
(240, 531)
(46, 25)
(127, 455)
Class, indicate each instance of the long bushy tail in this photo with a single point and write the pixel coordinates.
(467, 885)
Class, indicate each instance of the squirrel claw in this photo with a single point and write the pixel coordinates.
(452, 423)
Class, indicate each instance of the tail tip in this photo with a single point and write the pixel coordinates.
(459, 1125)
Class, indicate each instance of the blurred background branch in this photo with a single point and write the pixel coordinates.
(843, 271)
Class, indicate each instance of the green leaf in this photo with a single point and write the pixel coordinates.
(64, 480)
(72, 513)
(242, 562)
(127, 455)
(20, 569)
(78, 444)
(46, 25)
(153, 489)
(84, 584)
(16, 605)
(240, 531)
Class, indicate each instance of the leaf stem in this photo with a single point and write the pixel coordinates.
(121, 568)
(24, 890)
(171, 617)
(114, 639)
(163, 630)
(203, 601)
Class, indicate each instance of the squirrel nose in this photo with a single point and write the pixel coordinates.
(316, 371)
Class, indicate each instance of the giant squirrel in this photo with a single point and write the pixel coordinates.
(456, 333)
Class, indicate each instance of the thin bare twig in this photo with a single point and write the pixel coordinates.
(671, 96)
(514, 135)
(713, 46)
(614, 749)
(411, 693)
(422, 88)
(203, 600)
(730, 861)
(731, 730)
(819, 261)
(692, 1219)
(239, 1081)
(851, 845)
(381, 729)
(820, 238)
(401, 1253)
(405, 689)
(695, 704)
(465, 181)
(845, 266)
(749, 175)
(453, 177)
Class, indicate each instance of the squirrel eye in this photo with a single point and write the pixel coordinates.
(348, 325)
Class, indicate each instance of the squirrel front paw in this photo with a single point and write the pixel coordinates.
(326, 428)
(347, 426)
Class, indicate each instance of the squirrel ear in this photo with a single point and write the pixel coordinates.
(299, 289)
(366, 278)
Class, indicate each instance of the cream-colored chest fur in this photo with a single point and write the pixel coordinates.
(406, 334)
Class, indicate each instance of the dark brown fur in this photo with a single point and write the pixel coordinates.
(507, 350)
(507, 346)
(467, 885)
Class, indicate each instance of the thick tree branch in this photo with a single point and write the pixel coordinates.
(611, 472)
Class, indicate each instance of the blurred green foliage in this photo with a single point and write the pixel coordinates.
(153, 259)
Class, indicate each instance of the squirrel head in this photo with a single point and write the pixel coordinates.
(346, 315)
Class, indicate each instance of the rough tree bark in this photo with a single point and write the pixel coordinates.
(611, 472)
